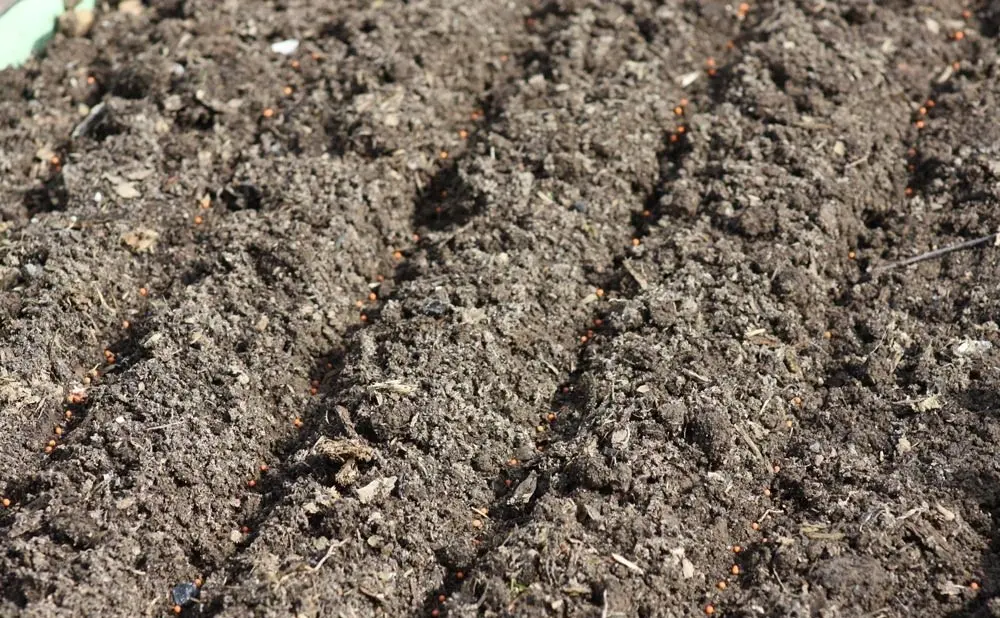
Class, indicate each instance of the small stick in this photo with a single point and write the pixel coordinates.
(930, 255)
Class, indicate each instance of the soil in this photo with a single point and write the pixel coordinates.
(521, 308)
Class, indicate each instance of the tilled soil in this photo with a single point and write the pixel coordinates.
(569, 308)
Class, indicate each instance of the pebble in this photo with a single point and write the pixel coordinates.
(286, 47)
(185, 593)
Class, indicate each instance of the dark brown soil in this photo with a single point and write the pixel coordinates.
(523, 308)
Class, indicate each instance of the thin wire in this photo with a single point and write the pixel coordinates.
(930, 255)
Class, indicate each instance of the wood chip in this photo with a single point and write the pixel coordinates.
(131, 7)
(378, 489)
(947, 514)
(343, 449)
(141, 173)
(816, 533)
(625, 562)
(397, 387)
(348, 473)
(688, 78)
(126, 190)
(643, 283)
(525, 490)
(928, 404)
(695, 376)
(140, 240)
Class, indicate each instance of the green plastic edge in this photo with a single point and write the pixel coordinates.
(27, 26)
